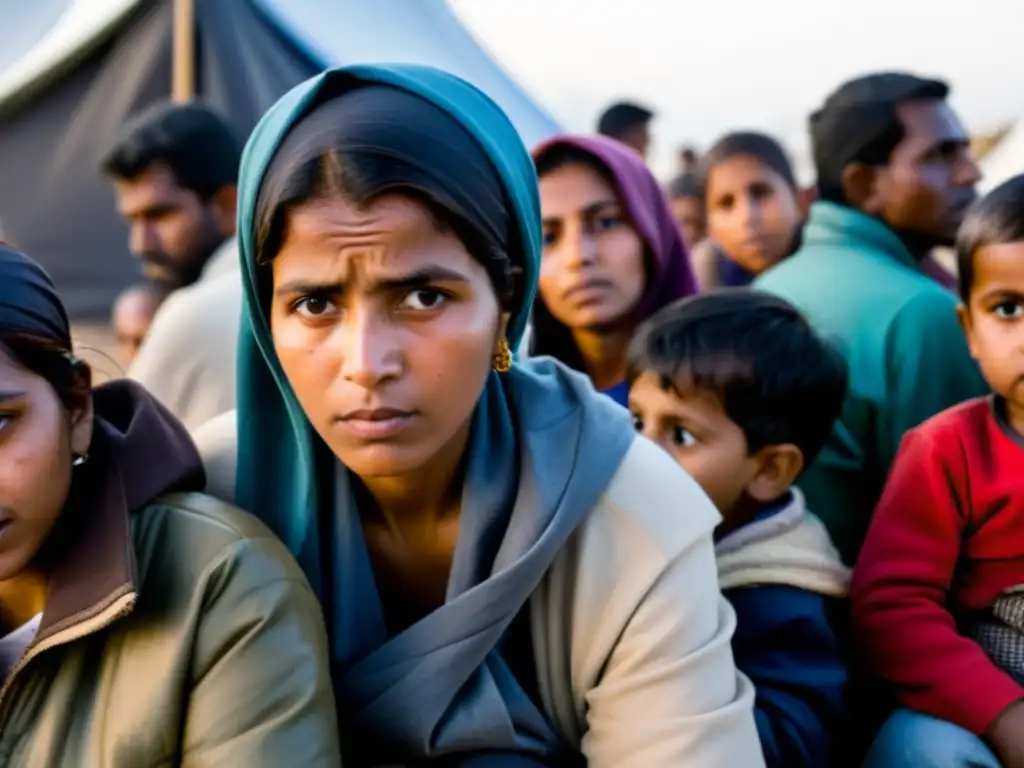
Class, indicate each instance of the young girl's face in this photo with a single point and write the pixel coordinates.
(753, 213)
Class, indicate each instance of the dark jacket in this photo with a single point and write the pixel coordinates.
(177, 630)
(784, 578)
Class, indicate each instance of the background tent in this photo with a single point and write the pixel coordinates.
(1005, 159)
(72, 71)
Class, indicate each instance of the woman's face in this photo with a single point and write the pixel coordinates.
(386, 328)
(37, 439)
(753, 214)
(593, 273)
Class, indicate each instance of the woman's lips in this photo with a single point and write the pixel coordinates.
(376, 423)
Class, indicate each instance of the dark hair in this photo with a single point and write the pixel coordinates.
(198, 147)
(995, 219)
(560, 155)
(622, 118)
(688, 153)
(759, 146)
(377, 140)
(52, 361)
(686, 185)
(777, 380)
(859, 123)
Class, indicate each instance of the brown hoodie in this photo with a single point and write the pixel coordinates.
(177, 630)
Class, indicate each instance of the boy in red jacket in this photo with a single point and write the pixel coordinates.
(938, 593)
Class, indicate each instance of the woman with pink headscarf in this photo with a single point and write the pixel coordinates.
(612, 256)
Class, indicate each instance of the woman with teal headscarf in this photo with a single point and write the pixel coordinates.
(507, 572)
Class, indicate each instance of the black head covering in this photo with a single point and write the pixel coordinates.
(399, 142)
(28, 300)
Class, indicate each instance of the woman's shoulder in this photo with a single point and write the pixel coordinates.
(217, 441)
(653, 501)
(194, 536)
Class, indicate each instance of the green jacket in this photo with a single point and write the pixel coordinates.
(897, 329)
(154, 659)
(177, 630)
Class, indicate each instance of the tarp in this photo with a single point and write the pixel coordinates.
(1005, 160)
(76, 70)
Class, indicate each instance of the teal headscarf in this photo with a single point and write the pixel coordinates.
(543, 447)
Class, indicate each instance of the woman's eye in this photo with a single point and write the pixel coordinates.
(550, 238)
(423, 299)
(638, 423)
(5, 421)
(314, 306)
(605, 223)
(682, 438)
(1008, 310)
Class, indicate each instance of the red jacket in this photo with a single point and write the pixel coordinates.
(948, 534)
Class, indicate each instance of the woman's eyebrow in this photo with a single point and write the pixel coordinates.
(417, 278)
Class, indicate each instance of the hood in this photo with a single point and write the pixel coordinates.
(151, 449)
(790, 548)
(273, 430)
(138, 452)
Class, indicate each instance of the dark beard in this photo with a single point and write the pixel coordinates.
(171, 274)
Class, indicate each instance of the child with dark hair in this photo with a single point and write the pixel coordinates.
(686, 196)
(737, 387)
(752, 205)
(938, 594)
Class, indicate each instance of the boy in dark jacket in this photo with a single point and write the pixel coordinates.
(738, 388)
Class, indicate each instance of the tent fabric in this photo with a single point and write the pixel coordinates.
(56, 123)
(1005, 161)
(55, 205)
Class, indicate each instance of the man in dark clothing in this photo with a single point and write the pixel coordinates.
(628, 123)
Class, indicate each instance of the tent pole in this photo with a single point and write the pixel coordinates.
(183, 63)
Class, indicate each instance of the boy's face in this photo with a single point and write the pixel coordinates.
(994, 322)
(696, 431)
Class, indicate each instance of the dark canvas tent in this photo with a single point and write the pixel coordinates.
(72, 71)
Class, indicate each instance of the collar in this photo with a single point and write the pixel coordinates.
(998, 408)
(830, 222)
(774, 518)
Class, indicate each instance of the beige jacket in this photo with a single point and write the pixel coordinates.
(631, 634)
(188, 358)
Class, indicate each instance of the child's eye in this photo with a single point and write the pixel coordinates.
(682, 438)
(638, 423)
(1008, 310)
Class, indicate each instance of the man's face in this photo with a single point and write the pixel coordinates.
(171, 230)
(929, 182)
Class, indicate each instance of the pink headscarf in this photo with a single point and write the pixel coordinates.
(648, 211)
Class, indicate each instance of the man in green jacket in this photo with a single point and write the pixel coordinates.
(894, 180)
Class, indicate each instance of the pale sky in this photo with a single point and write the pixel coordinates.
(708, 66)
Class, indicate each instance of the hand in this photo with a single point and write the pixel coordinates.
(1006, 735)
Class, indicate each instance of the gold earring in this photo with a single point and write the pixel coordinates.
(503, 357)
